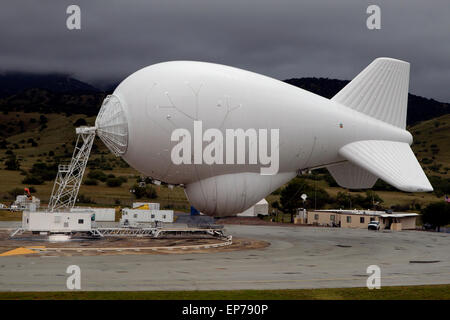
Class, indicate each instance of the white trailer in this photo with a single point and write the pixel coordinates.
(100, 214)
(133, 216)
(56, 222)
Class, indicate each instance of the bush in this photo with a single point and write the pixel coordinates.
(99, 163)
(113, 182)
(12, 163)
(80, 122)
(437, 214)
(44, 172)
(90, 182)
(440, 185)
(83, 199)
(144, 192)
(97, 175)
(32, 180)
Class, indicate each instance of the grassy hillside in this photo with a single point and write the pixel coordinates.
(432, 145)
(51, 140)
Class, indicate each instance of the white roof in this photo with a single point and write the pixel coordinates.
(398, 215)
(382, 214)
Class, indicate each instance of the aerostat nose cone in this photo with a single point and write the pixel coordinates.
(112, 125)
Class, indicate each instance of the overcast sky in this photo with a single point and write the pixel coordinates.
(279, 38)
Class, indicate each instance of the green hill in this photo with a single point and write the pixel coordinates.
(432, 145)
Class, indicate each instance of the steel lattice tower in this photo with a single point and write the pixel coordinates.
(68, 179)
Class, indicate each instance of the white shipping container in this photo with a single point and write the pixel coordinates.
(142, 216)
(101, 214)
(45, 221)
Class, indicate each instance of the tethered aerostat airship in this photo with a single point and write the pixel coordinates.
(359, 135)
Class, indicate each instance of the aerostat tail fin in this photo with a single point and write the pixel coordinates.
(380, 91)
(394, 162)
(351, 176)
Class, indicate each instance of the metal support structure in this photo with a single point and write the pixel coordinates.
(68, 180)
(16, 232)
(149, 232)
(156, 232)
(124, 232)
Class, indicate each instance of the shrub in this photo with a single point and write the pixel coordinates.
(12, 163)
(80, 122)
(437, 214)
(42, 171)
(144, 192)
(97, 175)
(90, 182)
(113, 182)
(84, 199)
(32, 180)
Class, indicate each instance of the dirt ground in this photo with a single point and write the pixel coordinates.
(124, 245)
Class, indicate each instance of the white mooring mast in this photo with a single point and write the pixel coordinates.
(69, 177)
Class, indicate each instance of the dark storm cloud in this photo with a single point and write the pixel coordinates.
(279, 38)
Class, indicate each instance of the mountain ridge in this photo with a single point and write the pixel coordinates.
(61, 93)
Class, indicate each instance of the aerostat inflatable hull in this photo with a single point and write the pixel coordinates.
(359, 134)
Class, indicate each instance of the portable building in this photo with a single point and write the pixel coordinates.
(46, 221)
